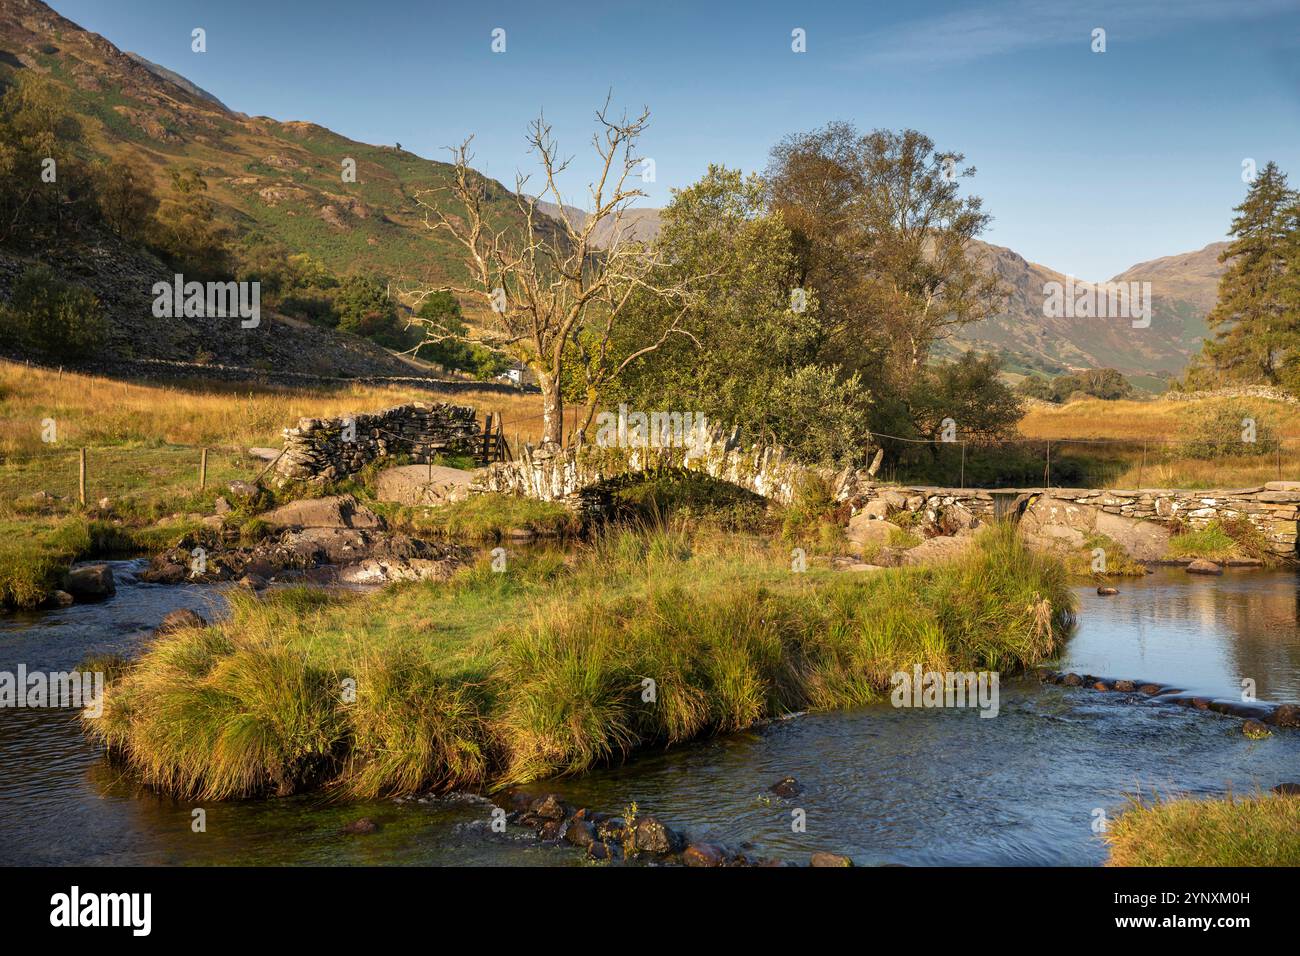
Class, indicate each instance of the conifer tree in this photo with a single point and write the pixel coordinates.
(1256, 320)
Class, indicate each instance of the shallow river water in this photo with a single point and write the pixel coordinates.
(882, 785)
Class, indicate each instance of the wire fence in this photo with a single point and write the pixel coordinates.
(88, 474)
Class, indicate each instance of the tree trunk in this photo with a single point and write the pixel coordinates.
(552, 411)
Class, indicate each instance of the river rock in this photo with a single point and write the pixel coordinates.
(179, 620)
(1202, 566)
(1125, 685)
(651, 836)
(1255, 730)
(830, 859)
(549, 807)
(605, 851)
(1107, 591)
(786, 787)
(1288, 789)
(704, 854)
(581, 833)
(364, 825)
(1285, 715)
(91, 582)
(61, 598)
(221, 506)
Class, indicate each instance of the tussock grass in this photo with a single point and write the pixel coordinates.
(1259, 830)
(496, 678)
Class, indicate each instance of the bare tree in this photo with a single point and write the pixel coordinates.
(554, 296)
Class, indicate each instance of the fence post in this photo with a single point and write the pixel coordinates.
(81, 477)
(963, 465)
(1047, 471)
(203, 470)
(487, 438)
(1142, 464)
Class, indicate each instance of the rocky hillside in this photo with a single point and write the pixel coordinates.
(283, 180)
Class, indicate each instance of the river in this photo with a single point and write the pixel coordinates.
(913, 787)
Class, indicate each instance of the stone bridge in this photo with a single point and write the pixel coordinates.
(582, 477)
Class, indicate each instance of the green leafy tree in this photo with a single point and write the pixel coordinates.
(127, 201)
(748, 354)
(189, 236)
(44, 187)
(971, 393)
(885, 238)
(52, 317)
(365, 307)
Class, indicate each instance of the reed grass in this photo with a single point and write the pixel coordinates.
(647, 637)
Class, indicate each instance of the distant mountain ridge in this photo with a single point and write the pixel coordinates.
(281, 180)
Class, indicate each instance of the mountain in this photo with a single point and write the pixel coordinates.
(172, 77)
(637, 225)
(280, 179)
(1183, 289)
(283, 181)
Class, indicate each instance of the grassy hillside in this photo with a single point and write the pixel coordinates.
(280, 180)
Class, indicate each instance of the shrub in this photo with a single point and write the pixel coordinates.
(1227, 431)
(54, 317)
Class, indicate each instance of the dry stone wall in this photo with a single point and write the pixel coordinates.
(1273, 508)
(320, 449)
(579, 476)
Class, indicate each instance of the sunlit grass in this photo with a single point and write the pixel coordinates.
(1260, 830)
(499, 677)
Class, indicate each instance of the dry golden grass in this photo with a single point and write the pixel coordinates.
(94, 411)
(1139, 443)
(1155, 420)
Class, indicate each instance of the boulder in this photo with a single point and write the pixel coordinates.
(1105, 591)
(1143, 540)
(1287, 789)
(581, 833)
(335, 511)
(866, 531)
(91, 582)
(786, 787)
(704, 854)
(830, 859)
(651, 836)
(938, 550)
(1202, 566)
(422, 485)
(61, 598)
(1255, 730)
(1285, 715)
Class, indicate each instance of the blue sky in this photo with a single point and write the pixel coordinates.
(1089, 162)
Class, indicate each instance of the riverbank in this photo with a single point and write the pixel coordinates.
(555, 665)
(1258, 830)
